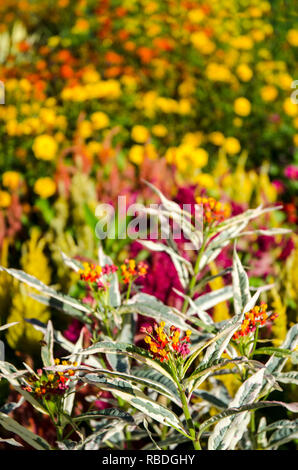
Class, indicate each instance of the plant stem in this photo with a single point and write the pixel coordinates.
(188, 418)
(128, 290)
(255, 343)
(196, 272)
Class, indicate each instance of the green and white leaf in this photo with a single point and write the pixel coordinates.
(71, 263)
(68, 401)
(109, 413)
(47, 350)
(114, 291)
(207, 301)
(28, 436)
(275, 364)
(40, 286)
(136, 398)
(148, 306)
(228, 432)
(13, 376)
(182, 266)
(241, 291)
(8, 325)
(140, 354)
(286, 431)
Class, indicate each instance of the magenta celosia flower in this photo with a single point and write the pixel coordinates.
(279, 186)
(291, 172)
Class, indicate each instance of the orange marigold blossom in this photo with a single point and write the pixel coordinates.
(162, 343)
(256, 317)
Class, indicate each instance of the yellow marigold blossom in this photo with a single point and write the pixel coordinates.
(44, 147)
(216, 138)
(11, 179)
(218, 73)
(242, 106)
(184, 106)
(136, 154)
(290, 108)
(242, 42)
(238, 122)
(85, 129)
(244, 72)
(200, 157)
(99, 120)
(47, 116)
(201, 42)
(159, 130)
(140, 134)
(205, 180)
(45, 187)
(196, 16)
(195, 139)
(269, 93)
(232, 145)
(5, 199)
(91, 75)
(292, 37)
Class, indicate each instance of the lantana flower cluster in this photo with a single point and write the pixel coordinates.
(162, 342)
(214, 211)
(94, 273)
(131, 270)
(256, 317)
(48, 385)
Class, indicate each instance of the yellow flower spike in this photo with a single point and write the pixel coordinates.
(147, 339)
(57, 361)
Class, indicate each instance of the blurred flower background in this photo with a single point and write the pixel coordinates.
(196, 97)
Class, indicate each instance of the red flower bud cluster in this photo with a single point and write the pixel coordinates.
(214, 211)
(93, 273)
(130, 270)
(51, 384)
(257, 316)
(162, 343)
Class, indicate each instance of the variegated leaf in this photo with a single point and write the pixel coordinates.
(148, 306)
(114, 291)
(284, 433)
(241, 292)
(47, 349)
(126, 349)
(8, 325)
(228, 432)
(136, 398)
(68, 401)
(28, 436)
(40, 286)
(109, 413)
